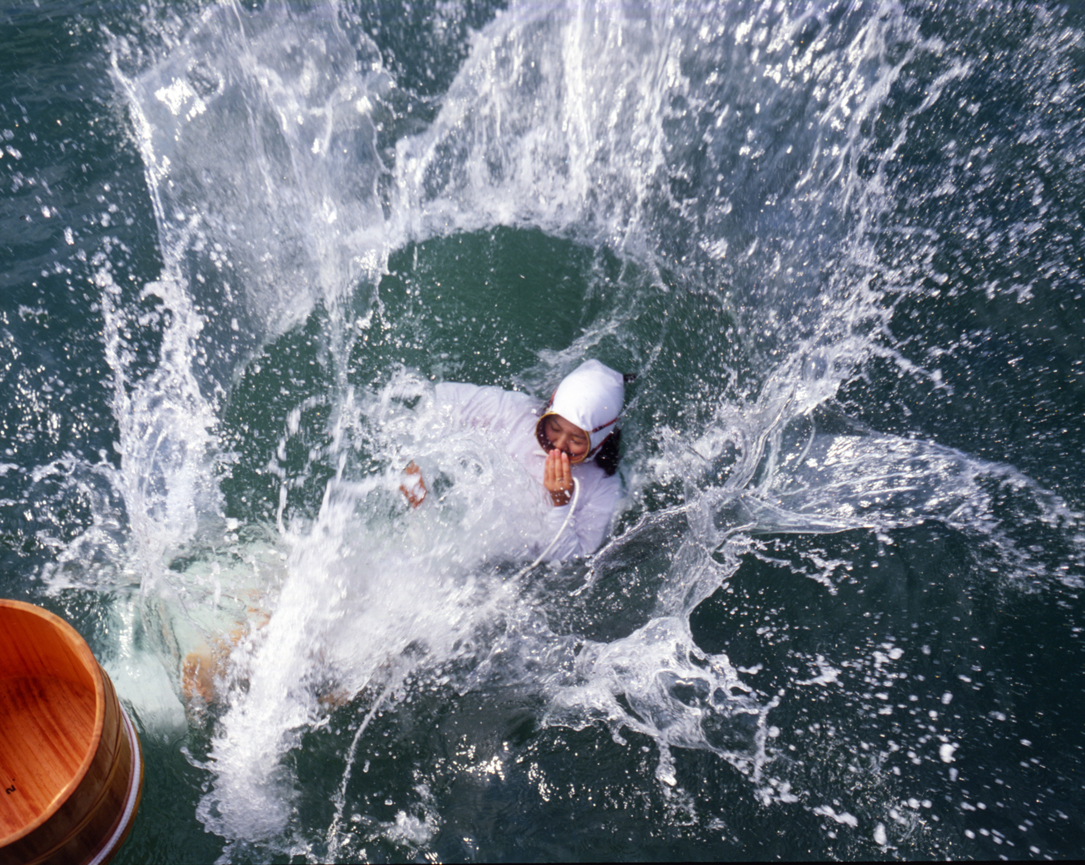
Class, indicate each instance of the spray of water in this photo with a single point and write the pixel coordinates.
(636, 130)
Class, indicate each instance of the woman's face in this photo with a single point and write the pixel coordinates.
(566, 436)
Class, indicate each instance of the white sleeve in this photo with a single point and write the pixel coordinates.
(470, 405)
(595, 508)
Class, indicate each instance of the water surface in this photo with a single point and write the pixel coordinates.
(840, 244)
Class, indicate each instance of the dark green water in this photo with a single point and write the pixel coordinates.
(839, 615)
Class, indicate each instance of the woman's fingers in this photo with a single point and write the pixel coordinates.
(566, 471)
(553, 469)
(558, 477)
(414, 488)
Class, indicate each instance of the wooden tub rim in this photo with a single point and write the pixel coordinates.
(131, 801)
(79, 648)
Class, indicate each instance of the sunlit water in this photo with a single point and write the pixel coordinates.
(838, 613)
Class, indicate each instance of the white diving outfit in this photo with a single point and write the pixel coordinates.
(591, 398)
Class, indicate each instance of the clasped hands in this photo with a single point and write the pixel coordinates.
(558, 477)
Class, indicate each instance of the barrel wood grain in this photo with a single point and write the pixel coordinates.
(70, 760)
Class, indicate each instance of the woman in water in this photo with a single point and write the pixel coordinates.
(569, 449)
(572, 438)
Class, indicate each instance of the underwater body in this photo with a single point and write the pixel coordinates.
(839, 614)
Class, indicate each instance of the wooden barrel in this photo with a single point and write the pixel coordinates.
(71, 770)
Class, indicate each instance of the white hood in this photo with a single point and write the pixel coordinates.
(591, 397)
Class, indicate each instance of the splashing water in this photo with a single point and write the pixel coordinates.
(743, 204)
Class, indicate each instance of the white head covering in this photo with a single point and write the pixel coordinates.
(591, 397)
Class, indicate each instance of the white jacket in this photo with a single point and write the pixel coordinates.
(508, 420)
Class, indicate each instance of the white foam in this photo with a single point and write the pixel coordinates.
(564, 122)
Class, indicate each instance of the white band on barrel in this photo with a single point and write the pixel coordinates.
(133, 792)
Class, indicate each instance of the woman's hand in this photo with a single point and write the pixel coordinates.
(558, 477)
(413, 487)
